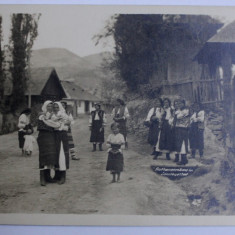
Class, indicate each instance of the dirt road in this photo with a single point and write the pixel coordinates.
(88, 189)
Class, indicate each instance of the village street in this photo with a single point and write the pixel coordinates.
(88, 189)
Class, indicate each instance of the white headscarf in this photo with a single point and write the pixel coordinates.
(44, 106)
(61, 108)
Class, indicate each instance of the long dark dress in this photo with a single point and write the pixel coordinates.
(196, 137)
(97, 132)
(47, 146)
(166, 136)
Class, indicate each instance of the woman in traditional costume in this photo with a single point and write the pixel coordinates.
(61, 137)
(181, 128)
(24, 127)
(196, 131)
(97, 122)
(46, 142)
(153, 121)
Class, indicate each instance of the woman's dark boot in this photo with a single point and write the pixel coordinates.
(156, 155)
(42, 178)
(100, 147)
(193, 153)
(177, 156)
(48, 176)
(154, 151)
(62, 177)
(94, 148)
(184, 160)
(201, 153)
(56, 176)
(168, 156)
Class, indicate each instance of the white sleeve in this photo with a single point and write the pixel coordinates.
(22, 121)
(126, 113)
(113, 112)
(108, 140)
(90, 120)
(122, 140)
(201, 116)
(104, 119)
(52, 123)
(150, 113)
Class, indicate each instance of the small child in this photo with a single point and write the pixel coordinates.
(28, 143)
(116, 143)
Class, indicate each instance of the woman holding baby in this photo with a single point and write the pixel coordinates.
(52, 142)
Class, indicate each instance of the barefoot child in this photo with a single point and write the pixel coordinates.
(116, 143)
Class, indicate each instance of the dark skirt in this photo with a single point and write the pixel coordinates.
(70, 139)
(21, 139)
(61, 136)
(153, 133)
(196, 137)
(166, 137)
(97, 136)
(47, 149)
(180, 136)
(115, 162)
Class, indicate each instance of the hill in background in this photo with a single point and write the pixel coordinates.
(84, 71)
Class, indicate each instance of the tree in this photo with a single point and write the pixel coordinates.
(23, 33)
(145, 43)
(2, 74)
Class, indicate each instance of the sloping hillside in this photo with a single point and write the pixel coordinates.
(84, 71)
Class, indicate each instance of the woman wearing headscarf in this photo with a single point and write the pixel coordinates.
(24, 127)
(62, 145)
(69, 133)
(46, 142)
(153, 121)
(166, 140)
(120, 115)
(181, 129)
(97, 122)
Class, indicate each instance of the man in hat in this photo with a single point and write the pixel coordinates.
(97, 122)
(120, 115)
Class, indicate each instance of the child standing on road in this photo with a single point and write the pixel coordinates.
(28, 143)
(116, 143)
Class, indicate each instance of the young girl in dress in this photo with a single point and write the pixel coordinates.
(115, 142)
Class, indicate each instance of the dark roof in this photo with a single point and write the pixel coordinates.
(215, 47)
(225, 35)
(39, 77)
(74, 91)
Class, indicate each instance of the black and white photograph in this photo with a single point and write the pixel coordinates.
(110, 113)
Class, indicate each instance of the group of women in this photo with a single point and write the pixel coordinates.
(175, 129)
(53, 142)
(172, 129)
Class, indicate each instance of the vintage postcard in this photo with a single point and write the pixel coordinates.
(117, 115)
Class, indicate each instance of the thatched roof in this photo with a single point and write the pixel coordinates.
(39, 78)
(75, 92)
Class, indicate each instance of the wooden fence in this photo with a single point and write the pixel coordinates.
(204, 91)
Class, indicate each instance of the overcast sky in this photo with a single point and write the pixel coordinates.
(72, 27)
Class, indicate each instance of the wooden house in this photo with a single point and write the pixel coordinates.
(44, 85)
(219, 55)
(81, 100)
(183, 76)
